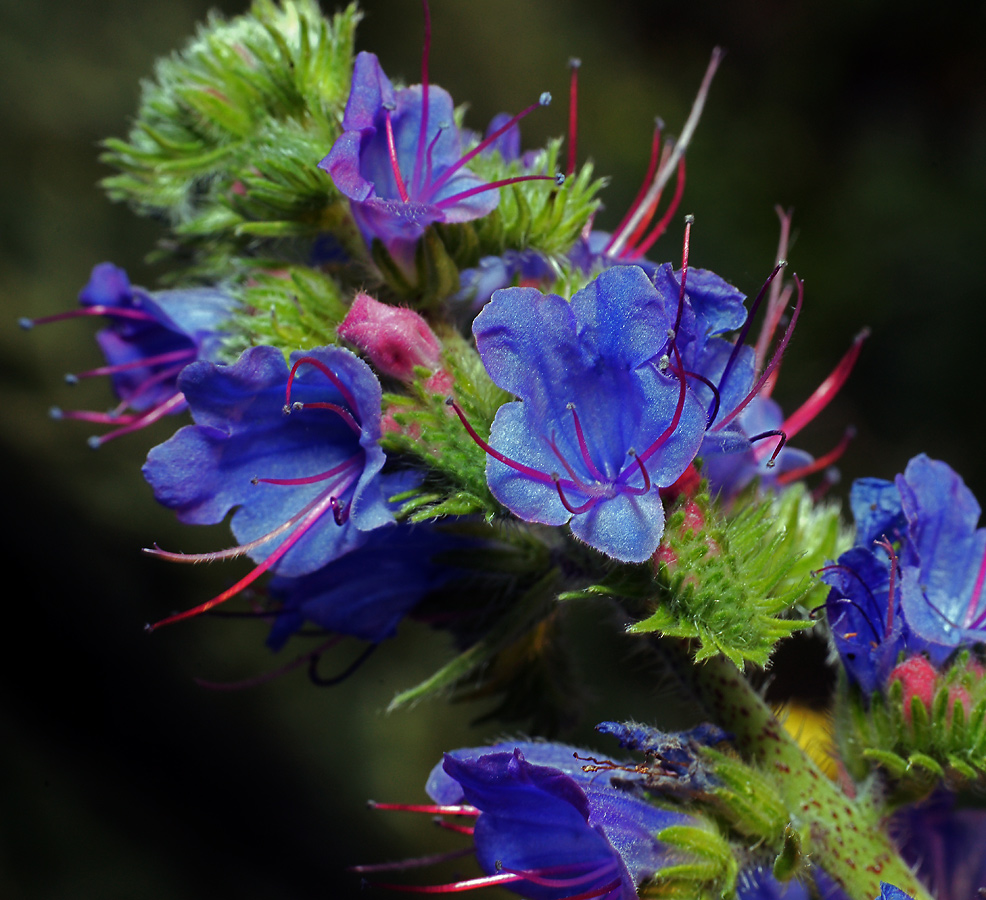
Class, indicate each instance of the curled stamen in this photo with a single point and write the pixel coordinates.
(643, 469)
(267, 677)
(322, 681)
(328, 373)
(782, 440)
(574, 510)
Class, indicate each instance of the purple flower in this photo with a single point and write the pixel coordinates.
(293, 452)
(366, 593)
(399, 161)
(151, 338)
(548, 830)
(913, 583)
(599, 426)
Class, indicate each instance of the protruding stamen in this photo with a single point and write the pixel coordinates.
(558, 179)
(573, 112)
(115, 312)
(173, 403)
(392, 152)
(328, 373)
(310, 479)
(452, 810)
(774, 361)
(824, 393)
(655, 152)
(680, 147)
(679, 408)
(745, 330)
(437, 184)
(662, 223)
(471, 884)
(142, 363)
(416, 863)
(534, 474)
(340, 411)
(779, 293)
(425, 86)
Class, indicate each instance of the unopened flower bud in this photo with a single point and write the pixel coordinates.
(394, 339)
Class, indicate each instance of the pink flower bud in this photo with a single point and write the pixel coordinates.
(918, 678)
(394, 339)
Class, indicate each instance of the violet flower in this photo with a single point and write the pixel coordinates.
(913, 583)
(545, 828)
(151, 338)
(367, 592)
(599, 426)
(294, 452)
(399, 160)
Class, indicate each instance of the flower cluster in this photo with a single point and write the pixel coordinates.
(425, 389)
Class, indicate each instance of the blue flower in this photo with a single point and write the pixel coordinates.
(151, 338)
(913, 582)
(294, 452)
(548, 830)
(399, 161)
(366, 593)
(599, 426)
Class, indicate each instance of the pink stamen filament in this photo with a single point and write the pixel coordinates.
(745, 330)
(326, 502)
(574, 510)
(172, 404)
(779, 293)
(648, 213)
(96, 418)
(573, 113)
(394, 163)
(891, 553)
(775, 360)
(116, 312)
(438, 810)
(681, 145)
(655, 153)
(492, 186)
(243, 549)
(328, 373)
(340, 411)
(437, 184)
(638, 491)
(417, 863)
(583, 446)
(545, 880)
(425, 86)
(664, 221)
(576, 481)
(146, 362)
(678, 369)
(823, 462)
(472, 884)
(533, 474)
(312, 479)
(824, 393)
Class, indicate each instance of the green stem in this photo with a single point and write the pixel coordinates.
(843, 837)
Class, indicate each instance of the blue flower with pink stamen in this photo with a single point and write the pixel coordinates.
(601, 424)
(293, 452)
(914, 581)
(152, 336)
(400, 162)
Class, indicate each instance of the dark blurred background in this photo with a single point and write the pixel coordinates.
(119, 776)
